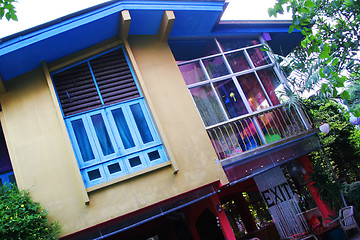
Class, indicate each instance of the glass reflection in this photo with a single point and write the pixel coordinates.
(82, 140)
(230, 98)
(271, 84)
(192, 73)
(258, 57)
(102, 134)
(215, 67)
(253, 92)
(238, 61)
(207, 105)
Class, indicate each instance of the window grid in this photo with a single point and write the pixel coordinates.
(95, 131)
(232, 75)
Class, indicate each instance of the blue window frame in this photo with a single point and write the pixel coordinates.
(7, 178)
(113, 140)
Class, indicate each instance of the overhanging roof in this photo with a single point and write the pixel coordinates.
(195, 45)
(24, 51)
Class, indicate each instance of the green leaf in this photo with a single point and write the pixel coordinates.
(305, 21)
(324, 87)
(304, 43)
(284, 1)
(357, 113)
(304, 10)
(8, 16)
(1, 13)
(298, 27)
(272, 12)
(348, 3)
(324, 55)
(327, 47)
(310, 4)
(321, 73)
(9, 6)
(14, 17)
(291, 28)
(335, 62)
(345, 95)
(335, 92)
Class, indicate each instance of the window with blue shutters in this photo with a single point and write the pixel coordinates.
(108, 122)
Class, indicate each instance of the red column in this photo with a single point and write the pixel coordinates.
(224, 221)
(323, 207)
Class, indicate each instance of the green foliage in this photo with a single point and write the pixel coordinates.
(327, 57)
(341, 144)
(354, 90)
(7, 8)
(355, 140)
(328, 189)
(21, 218)
(352, 194)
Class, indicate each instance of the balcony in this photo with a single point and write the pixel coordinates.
(237, 89)
(261, 130)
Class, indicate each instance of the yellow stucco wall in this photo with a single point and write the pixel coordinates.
(43, 160)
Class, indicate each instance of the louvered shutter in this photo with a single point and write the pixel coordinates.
(114, 78)
(76, 90)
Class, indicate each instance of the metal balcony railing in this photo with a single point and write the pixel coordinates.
(254, 130)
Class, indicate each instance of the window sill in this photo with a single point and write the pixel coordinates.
(124, 178)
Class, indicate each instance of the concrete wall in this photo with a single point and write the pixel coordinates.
(44, 162)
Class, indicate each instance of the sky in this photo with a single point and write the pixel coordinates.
(35, 12)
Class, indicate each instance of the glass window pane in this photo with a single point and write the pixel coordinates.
(271, 84)
(230, 98)
(94, 174)
(82, 140)
(253, 92)
(135, 161)
(258, 57)
(238, 61)
(141, 123)
(113, 168)
(232, 44)
(192, 73)
(154, 155)
(215, 67)
(102, 134)
(207, 105)
(123, 128)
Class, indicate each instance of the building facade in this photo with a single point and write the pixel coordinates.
(156, 120)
